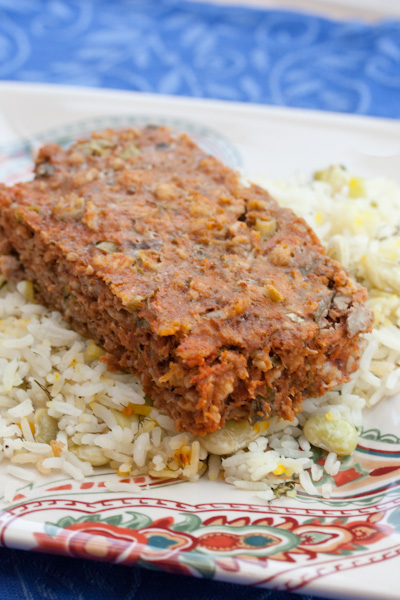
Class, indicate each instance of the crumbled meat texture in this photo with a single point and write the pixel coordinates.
(219, 299)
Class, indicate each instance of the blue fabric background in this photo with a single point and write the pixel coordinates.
(177, 47)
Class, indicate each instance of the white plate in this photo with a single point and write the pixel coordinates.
(346, 546)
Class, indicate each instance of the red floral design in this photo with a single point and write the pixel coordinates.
(110, 543)
(93, 540)
(166, 556)
(380, 472)
(341, 535)
(347, 476)
(241, 540)
(319, 537)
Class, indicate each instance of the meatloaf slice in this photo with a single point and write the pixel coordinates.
(224, 303)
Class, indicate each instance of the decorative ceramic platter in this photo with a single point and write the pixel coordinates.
(346, 546)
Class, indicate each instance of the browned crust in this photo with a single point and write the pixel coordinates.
(224, 303)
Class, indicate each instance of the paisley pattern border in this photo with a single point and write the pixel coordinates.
(260, 545)
(376, 436)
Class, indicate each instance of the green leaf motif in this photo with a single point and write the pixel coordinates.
(376, 436)
(190, 523)
(115, 520)
(66, 522)
(137, 521)
(88, 518)
(346, 462)
(205, 565)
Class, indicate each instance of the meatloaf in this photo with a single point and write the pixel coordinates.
(222, 302)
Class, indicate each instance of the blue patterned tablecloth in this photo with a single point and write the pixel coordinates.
(177, 47)
(185, 48)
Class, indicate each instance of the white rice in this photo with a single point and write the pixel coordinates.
(332, 465)
(53, 463)
(307, 484)
(21, 473)
(317, 472)
(72, 471)
(61, 410)
(21, 410)
(326, 490)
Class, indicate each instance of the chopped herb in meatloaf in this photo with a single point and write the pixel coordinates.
(224, 303)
